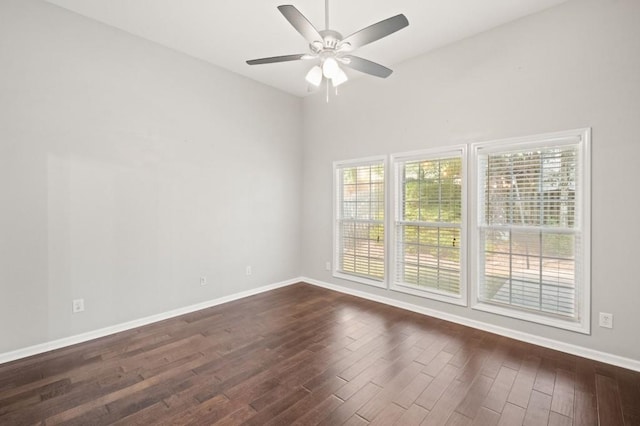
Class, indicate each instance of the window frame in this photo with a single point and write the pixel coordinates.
(583, 178)
(338, 166)
(397, 160)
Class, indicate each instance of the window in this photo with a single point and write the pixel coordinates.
(531, 228)
(359, 213)
(429, 224)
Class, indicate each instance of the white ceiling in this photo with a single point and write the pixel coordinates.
(227, 33)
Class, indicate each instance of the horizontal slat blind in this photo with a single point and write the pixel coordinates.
(530, 236)
(360, 219)
(428, 224)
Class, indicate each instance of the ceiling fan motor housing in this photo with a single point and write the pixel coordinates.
(330, 39)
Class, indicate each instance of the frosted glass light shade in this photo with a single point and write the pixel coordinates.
(330, 67)
(339, 78)
(314, 76)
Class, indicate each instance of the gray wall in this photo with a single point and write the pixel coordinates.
(572, 66)
(127, 171)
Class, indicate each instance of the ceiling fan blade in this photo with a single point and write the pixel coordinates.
(300, 23)
(366, 66)
(275, 59)
(376, 31)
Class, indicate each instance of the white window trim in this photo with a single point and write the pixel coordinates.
(556, 138)
(451, 151)
(337, 165)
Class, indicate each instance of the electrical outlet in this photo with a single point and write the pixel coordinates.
(203, 280)
(77, 305)
(606, 320)
(248, 271)
(327, 266)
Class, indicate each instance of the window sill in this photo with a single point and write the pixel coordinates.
(568, 324)
(429, 294)
(360, 279)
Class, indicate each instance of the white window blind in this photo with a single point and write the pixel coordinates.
(359, 239)
(532, 218)
(429, 218)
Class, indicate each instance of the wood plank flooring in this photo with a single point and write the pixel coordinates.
(303, 355)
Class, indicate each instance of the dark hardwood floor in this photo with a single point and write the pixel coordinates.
(306, 355)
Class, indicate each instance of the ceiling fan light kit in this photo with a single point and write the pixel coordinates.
(332, 49)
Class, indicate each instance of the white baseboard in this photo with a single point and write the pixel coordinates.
(607, 358)
(90, 335)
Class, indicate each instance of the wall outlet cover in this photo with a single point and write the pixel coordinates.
(77, 305)
(606, 320)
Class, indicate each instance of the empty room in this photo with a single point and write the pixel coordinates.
(322, 212)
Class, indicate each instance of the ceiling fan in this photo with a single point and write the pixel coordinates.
(332, 49)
